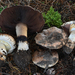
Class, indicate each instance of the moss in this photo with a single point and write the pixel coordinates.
(52, 18)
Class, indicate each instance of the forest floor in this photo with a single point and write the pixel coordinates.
(65, 65)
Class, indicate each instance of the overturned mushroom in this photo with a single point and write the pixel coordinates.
(72, 33)
(52, 38)
(18, 20)
(66, 26)
(44, 59)
(7, 45)
(69, 28)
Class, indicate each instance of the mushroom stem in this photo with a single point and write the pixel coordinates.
(3, 49)
(72, 36)
(21, 32)
(72, 32)
(21, 29)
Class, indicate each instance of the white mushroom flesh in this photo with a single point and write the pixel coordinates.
(8, 43)
(72, 32)
(22, 46)
(3, 49)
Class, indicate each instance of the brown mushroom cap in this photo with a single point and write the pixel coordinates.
(44, 58)
(52, 38)
(21, 14)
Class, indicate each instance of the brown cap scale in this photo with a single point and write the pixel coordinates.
(52, 38)
(44, 58)
(17, 20)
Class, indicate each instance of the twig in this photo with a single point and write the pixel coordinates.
(46, 5)
(69, 8)
(46, 1)
(12, 67)
(2, 2)
(4, 73)
(52, 2)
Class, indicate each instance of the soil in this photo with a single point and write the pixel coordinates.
(65, 66)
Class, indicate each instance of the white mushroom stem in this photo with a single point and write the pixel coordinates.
(3, 49)
(21, 30)
(72, 36)
(72, 33)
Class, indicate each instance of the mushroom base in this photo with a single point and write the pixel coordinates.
(22, 59)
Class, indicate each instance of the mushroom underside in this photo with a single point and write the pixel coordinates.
(10, 17)
(66, 26)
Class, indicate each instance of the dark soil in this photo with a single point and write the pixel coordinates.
(65, 66)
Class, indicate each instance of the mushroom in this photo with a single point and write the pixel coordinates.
(44, 59)
(7, 45)
(18, 20)
(66, 26)
(69, 28)
(68, 47)
(52, 38)
(72, 33)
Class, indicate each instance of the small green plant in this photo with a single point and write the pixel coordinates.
(52, 18)
(2, 8)
(0, 30)
(0, 12)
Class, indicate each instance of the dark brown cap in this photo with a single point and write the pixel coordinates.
(52, 38)
(21, 14)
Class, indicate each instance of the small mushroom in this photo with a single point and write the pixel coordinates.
(7, 45)
(66, 26)
(69, 28)
(44, 59)
(52, 38)
(18, 20)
